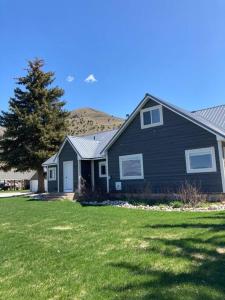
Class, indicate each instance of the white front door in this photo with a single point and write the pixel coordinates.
(68, 176)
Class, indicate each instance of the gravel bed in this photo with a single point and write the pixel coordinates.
(125, 204)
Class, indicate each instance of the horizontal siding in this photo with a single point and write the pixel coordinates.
(53, 184)
(68, 154)
(163, 148)
(100, 182)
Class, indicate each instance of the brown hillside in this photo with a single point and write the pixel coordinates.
(88, 120)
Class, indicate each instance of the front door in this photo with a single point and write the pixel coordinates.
(68, 176)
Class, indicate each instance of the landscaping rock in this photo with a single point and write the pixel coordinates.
(125, 204)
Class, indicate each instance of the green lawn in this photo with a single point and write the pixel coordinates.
(60, 250)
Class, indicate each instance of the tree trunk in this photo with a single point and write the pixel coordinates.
(41, 180)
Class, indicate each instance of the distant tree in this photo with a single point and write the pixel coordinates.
(35, 123)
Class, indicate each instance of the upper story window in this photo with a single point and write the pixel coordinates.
(52, 173)
(102, 169)
(151, 116)
(131, 166)
(200, 160)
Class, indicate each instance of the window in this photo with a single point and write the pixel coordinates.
(151, 116)
(200, 160)
(102, 169)
(52, 173)
(131, 166)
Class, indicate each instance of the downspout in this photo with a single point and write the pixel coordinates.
(221, 160)
(107, 172)
(92, 175)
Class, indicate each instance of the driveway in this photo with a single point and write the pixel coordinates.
(12, 194)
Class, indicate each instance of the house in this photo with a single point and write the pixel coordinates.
(159, 147)
(16, 180)
(34, 183)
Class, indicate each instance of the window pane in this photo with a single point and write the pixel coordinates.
(131, 168)
(201, 161)
(155, 116)
(103, 170)
(50, 174)
(147, 118)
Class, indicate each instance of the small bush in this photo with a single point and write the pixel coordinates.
(176, 204)
(190, 194)
(87, 195)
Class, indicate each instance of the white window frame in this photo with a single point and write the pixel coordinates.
(100, 164)
(131, 157)
(143, 126)
(53, 169)
(209, 150)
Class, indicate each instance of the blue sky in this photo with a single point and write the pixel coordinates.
(173, 49)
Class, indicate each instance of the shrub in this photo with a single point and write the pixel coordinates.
(86, 194)
(176, 204)
(190, 194)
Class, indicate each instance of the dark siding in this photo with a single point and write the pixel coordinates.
(53, 185)
(68, 154)
(100, 182)
(163, 149)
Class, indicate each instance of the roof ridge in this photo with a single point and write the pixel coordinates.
(98, 132)
(215, 106)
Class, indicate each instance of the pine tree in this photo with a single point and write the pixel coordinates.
(35, 124)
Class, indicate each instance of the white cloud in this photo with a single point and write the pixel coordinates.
(90, 79)
(70, 78)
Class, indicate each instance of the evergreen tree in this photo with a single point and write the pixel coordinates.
(35, 124)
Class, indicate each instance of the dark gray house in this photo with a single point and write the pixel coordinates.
(159, 147)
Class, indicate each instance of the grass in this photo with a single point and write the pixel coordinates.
(61, 250)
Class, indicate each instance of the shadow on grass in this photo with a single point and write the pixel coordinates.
(204, 277)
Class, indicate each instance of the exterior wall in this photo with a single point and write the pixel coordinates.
(163, 148)
(53, 184)
(34, 185)
(68, 154)
(100, 182)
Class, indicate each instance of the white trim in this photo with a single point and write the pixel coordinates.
(107, 172)
(58, 173)
(221, 159)
(68, 190)
(92, 175)
(131, 157)
(161, 102)
(47, 180)
(79, 173)
(100, 164)
(149, 109)
(209, 150)
(54, 173)
(67, 139)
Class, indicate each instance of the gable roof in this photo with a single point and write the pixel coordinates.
(13, 175)
(201, 119)
(50, 161)
(87, 147)
(215, 115)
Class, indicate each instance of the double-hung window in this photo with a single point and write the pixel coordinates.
(52, 173)
(102, 169)
(200, 160)
(151, 116)
(131, 167)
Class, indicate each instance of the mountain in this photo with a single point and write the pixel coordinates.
(88, 120)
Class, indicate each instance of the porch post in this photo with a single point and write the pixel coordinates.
(93, 175)
(79, 173)
(107, 172)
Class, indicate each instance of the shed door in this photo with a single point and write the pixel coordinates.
(68, 176)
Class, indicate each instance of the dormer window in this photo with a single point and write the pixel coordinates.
(151, 116)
